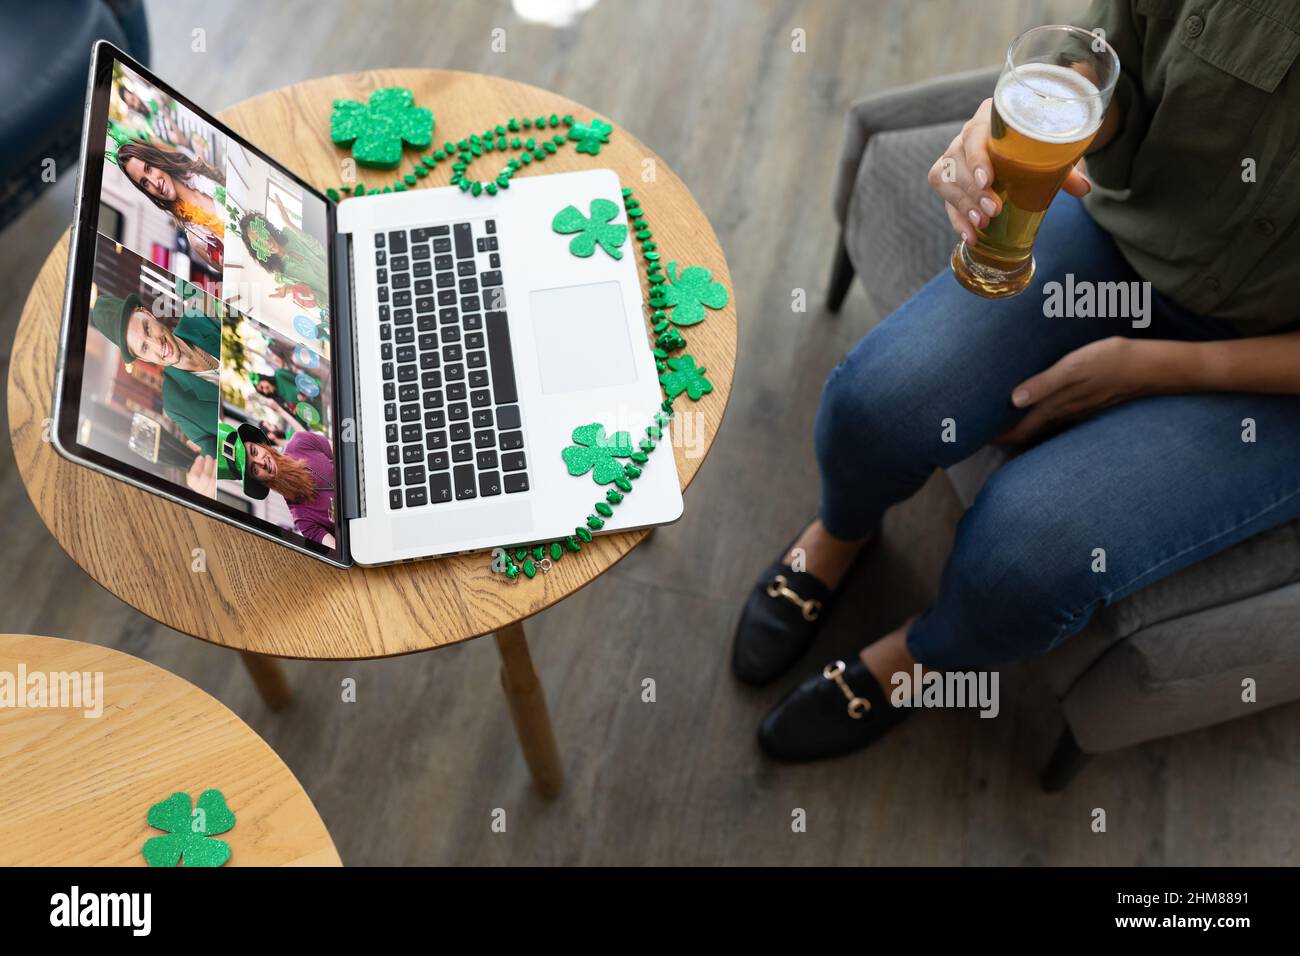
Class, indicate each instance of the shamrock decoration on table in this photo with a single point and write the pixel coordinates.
(688, 294)
(683, 376)
(595, 452)
(597, 229)
(590, 138)
(190, 834)
(378, 129)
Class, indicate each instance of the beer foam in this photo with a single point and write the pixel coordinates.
(1049, 103)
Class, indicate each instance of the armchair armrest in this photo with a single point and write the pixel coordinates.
(940, 100)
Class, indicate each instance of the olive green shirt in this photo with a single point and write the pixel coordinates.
(1200, 186)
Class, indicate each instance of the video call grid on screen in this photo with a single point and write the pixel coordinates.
(207, 357)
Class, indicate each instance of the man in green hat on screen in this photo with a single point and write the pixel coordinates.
(189, 355)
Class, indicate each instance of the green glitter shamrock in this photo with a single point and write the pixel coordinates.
(597, 229)
(595, 452)
(685, 377)
(590, 138)
(690, 293)
(377, 130)
(189, 839)
(260, 239)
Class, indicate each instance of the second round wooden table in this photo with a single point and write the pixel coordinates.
(140, 547)
(75, 789)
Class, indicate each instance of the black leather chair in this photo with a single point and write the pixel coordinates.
(44, 55)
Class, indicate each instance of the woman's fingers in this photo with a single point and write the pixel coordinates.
(960, 224)
(975, 142)
(1077, 182)
(950, 178)
(963, 174)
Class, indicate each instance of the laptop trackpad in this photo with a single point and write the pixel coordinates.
(582, 338)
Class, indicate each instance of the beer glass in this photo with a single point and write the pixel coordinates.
(1048, 104)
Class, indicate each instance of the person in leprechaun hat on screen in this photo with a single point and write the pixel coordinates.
(303, 474)
(188, 355)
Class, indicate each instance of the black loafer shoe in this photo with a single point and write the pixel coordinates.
(778, 623)
(841, 710)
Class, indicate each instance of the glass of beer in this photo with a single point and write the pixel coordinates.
(1048, 104)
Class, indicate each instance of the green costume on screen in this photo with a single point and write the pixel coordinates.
(304, 261)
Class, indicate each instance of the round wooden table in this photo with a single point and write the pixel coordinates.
(76, 789)
(361, 612)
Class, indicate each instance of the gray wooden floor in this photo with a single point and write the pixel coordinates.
(412, 772)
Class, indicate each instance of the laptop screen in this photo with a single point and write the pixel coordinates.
(199, 352)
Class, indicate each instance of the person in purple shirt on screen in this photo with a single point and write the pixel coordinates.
(303, 473)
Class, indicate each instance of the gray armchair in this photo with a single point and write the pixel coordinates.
(1170, 658)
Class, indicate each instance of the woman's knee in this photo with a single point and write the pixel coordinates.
(869, 402)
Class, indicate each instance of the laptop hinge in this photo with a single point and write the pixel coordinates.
(348, 453)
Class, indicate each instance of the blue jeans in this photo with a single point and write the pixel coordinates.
(1159, 483)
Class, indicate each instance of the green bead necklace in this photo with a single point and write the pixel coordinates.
(531, 139)
(516, 559)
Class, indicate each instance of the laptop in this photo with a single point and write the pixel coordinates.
(388, 378)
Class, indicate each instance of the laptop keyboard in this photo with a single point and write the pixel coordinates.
(452, 424)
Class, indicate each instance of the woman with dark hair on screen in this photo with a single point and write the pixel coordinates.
(182, 187)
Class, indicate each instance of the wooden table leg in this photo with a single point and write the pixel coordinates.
(268, 677)
(527, 701)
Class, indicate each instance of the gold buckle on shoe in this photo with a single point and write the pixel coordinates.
(780, 587)
(857, 705)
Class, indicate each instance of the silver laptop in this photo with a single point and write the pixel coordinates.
(389, 378)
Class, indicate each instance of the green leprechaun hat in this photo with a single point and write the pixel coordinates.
(111, 315)
(234, 462)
